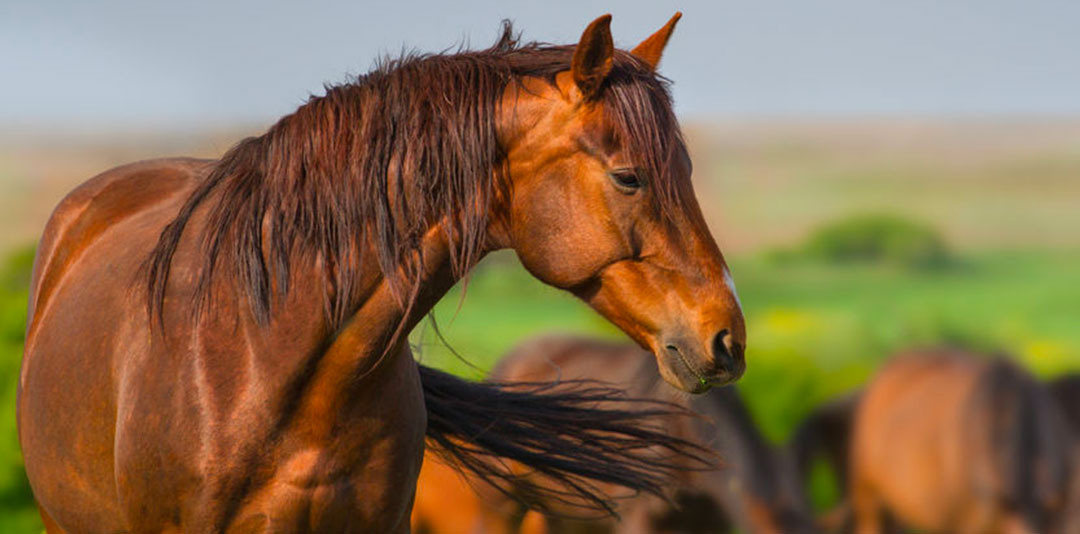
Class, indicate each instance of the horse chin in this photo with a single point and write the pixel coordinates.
(678, 374)
(677, 371)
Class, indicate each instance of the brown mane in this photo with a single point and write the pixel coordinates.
(375, 163)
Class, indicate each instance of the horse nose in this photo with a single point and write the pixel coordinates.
(728, 354)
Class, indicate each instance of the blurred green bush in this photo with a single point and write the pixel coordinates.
(878, 239)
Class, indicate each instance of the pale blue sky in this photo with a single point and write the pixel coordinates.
(179, 62)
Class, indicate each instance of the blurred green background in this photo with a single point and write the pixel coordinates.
(848, 240)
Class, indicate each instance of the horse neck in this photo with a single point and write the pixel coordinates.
(384, 315)
(300, 344)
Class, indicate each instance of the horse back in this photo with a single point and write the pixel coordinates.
(556, 358)
(99, 204)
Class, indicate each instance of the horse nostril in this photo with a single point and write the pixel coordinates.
(735, 349)
(727, 352)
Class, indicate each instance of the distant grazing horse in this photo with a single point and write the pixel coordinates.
(1066, 391)
(947, 441)
(221, 345)
(756, 491)
(826, 434)
(826, 431)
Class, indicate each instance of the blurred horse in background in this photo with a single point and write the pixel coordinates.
(756, 489)
(449, 501)
(1066, 391)
(948, 441)
(826, 434)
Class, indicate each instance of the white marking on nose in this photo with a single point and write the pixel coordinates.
(730, 283)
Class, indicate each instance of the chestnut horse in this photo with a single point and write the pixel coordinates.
(756, 491)
(221, 345)
(947, 441)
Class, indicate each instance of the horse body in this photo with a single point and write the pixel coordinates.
(231, 442)
(754, 491)
(950, 442)
(220, 345)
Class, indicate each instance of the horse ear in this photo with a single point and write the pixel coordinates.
(652, 48)
(593, 57)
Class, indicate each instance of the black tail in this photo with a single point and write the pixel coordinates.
(569, 436)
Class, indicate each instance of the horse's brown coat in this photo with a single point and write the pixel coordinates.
(267, 386)
(948, 441)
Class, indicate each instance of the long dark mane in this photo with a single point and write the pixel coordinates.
(373, 164)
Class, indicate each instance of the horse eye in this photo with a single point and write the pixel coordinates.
(626, 179)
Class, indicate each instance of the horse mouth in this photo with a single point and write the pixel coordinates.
(691, 379)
